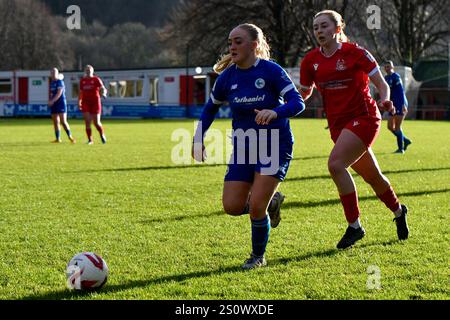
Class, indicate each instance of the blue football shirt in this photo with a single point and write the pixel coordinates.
(54, 86)
(397, 92)
(265, 85)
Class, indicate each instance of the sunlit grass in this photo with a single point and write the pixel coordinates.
(162, 231)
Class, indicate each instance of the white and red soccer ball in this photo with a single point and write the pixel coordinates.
(86, 271)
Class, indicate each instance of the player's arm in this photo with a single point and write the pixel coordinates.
(306, 78)
(405, 101)
(306, 92)
(80, 98)
(293, 106)
(293, 102)
(216, 99)
(383, 90)
(206, 119)
(103, 90)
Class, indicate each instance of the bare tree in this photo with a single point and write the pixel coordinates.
(410, 30)
(203, 26)
(30, 37)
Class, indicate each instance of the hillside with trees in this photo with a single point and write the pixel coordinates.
(151, 13)
(120, 34)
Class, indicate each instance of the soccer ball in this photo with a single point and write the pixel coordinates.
(86, 271)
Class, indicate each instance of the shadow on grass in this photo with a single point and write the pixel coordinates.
(289, 205)
(187, 166)
(138, 284)
(183, 217)
(288, 180)
(313, 204)
(39, 144)
(386, 172)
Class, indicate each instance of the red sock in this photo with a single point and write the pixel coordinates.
(350, 204)
(89, 133)
(390, 199)
(100, 130)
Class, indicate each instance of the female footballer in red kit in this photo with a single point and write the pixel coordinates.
(341, 71)
(89, 102)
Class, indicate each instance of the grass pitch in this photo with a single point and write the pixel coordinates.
(161, 229)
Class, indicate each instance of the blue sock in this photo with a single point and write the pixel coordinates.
(57, 134)
(69, 134)
(399, 134)
(405, 139)
(260, 235)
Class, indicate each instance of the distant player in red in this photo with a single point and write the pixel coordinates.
(341, 72)
(89, 102)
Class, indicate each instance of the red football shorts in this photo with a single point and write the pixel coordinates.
(91, 107)
(366, 128)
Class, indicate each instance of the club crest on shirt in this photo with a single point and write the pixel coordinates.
(340, 65)
(260, 83)
(316, 66)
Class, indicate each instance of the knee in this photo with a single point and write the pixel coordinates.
(390, 127)
(335, 167)
(232, 208)
(258, 207)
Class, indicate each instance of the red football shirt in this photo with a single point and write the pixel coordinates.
(343, 81)
(90, 88)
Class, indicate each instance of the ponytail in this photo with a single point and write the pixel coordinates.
(342, 37)
(223, 63)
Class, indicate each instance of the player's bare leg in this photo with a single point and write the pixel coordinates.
(87, 121)
(235, 197)
(236, 201)
(98, 125)
(398, 120)
(348, 149)
(57, 128)
(394, 128)
(65, 124)
(367, 167)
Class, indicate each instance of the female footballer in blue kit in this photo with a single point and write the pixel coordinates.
(401, 106)
(262, 97)
(58, 105)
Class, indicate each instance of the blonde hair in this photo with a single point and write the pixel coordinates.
(262, 50)
(338, 21)
(58, 75)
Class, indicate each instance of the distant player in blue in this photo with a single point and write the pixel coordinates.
(401, 107)
(58, 105)
(262, 97)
